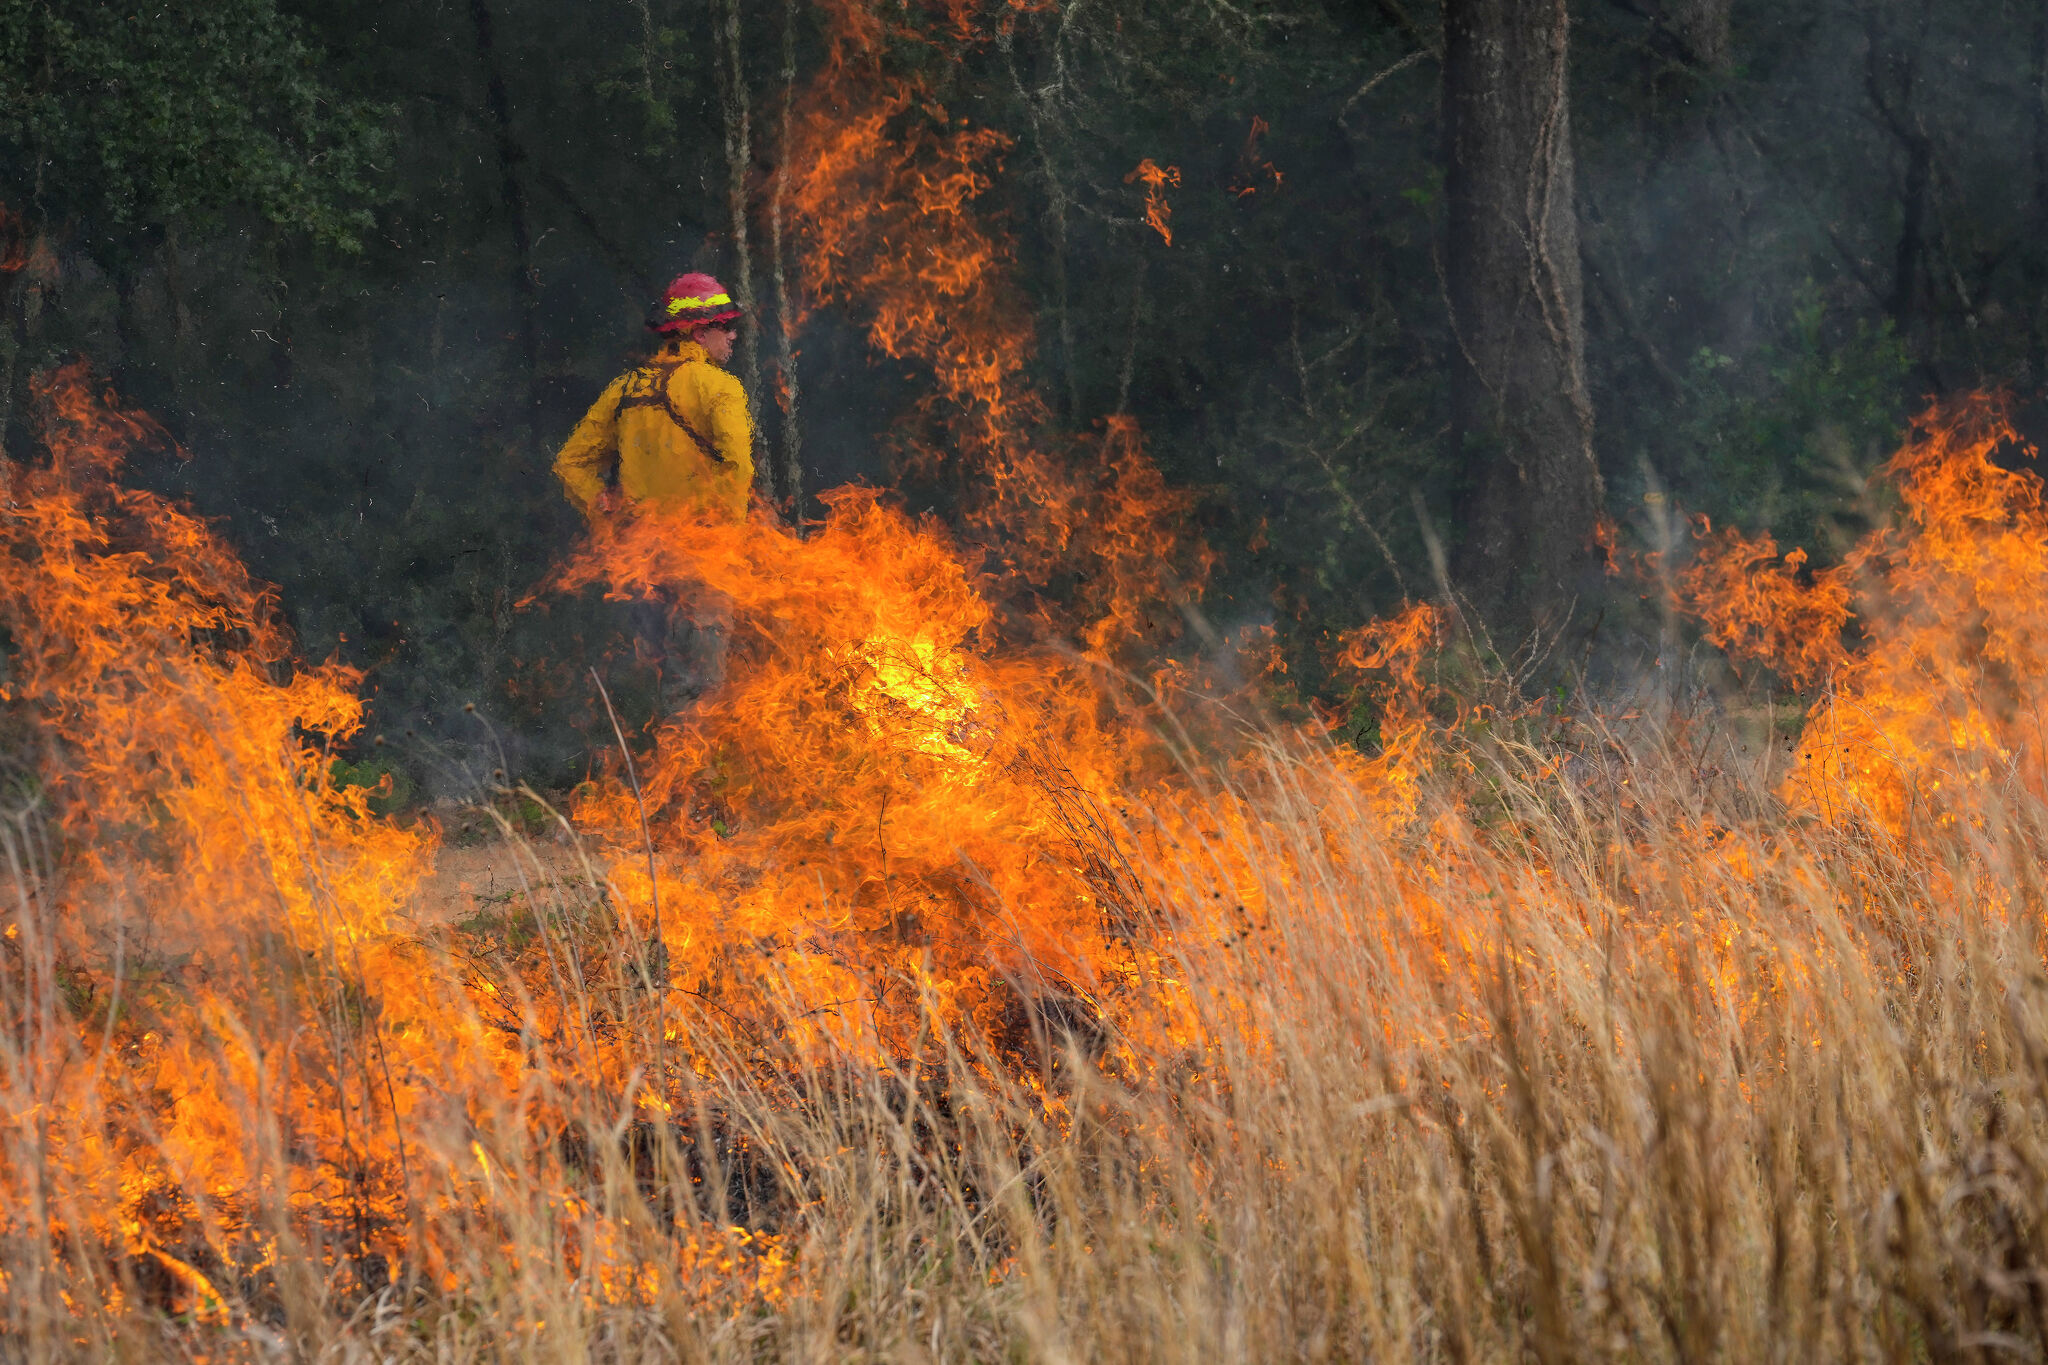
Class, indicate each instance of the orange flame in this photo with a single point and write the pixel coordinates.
(183, 752)
(1155, 178)
(1254, 168)
(1765, 608)
(1941, 694)
(881, 775)
(884, 789)
(1393, 653)
(934, 286)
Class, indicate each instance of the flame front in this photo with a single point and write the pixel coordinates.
(194, 891)
(1937, 704)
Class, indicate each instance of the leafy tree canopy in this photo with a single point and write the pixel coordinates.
(125, 116)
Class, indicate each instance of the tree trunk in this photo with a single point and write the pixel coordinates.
(1910, 256)
(127, 328)
(180, 315)
(13, 291)
(1892, 79)
(25, 293)
(2036, 266)
(738, 155)
(790, 455)
(513, 198)
(1522, 421)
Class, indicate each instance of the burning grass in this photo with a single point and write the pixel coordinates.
(1645, 1070)
(1138, 1038)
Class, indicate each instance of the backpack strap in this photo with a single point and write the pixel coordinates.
(657, 396)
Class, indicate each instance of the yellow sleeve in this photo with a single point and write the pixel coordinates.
(586, 458)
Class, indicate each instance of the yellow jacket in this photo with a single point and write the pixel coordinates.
(676, 431)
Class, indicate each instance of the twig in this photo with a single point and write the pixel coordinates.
(1396, 69)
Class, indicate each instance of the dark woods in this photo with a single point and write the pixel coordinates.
(1459, 277)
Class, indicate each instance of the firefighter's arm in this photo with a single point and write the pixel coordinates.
(585, 460)
(733, 434)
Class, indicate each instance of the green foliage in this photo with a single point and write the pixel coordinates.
(1786, 440)
(137, 116)
(391, 787)
(1427, 195)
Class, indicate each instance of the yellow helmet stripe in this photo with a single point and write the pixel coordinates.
(676, 306)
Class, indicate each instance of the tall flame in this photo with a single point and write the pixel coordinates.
(1927, 641)
(884, 185)
(1158, 211)
(196, 841)
(884, 789)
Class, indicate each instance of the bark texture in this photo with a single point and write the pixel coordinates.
(2035, 267)
(1521, 417)
(737, 117)
(790, 450)
(512, 198)
(1701, 30)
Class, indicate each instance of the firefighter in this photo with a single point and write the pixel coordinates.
(673, 435)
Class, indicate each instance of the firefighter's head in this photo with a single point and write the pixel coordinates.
(716, 338)
(697, 306)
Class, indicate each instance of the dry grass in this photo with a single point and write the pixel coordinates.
(1636, 1067)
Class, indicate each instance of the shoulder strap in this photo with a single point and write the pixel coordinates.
(659, 398)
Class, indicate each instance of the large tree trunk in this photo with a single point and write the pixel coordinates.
(512, 197)
(790, 449)
(1892, 78)
(735, 105)
(2036, 260)
(1521, 417)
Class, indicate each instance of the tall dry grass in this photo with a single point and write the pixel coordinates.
(1603, 1056)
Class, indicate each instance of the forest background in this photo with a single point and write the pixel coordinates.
(370, 261)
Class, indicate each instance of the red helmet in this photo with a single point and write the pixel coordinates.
(691, 301)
